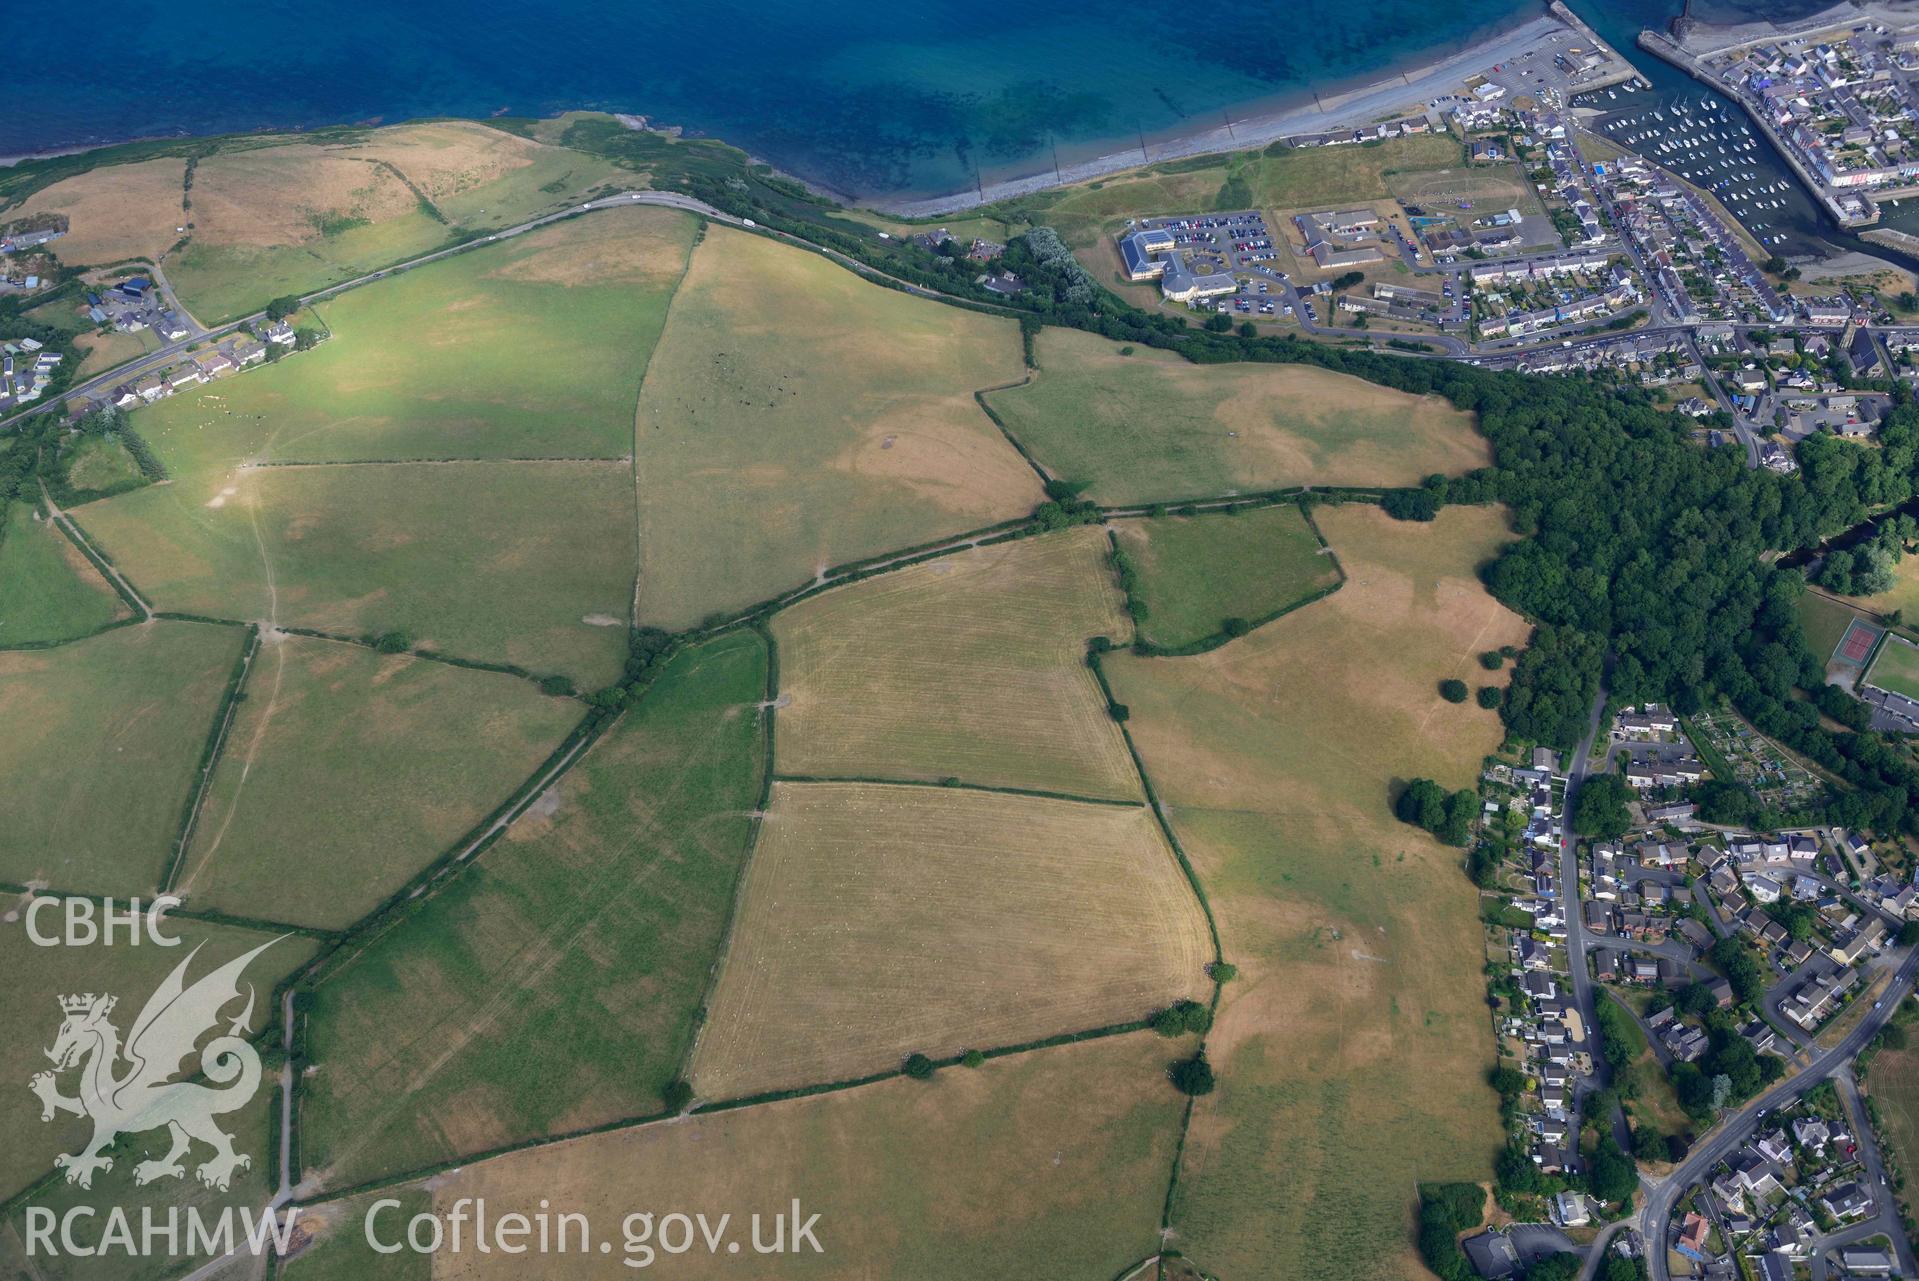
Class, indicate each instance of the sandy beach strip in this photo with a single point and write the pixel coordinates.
(1398, 94)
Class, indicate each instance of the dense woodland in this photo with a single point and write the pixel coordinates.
(1643, 557)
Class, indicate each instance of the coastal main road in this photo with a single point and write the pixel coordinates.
(163, 356)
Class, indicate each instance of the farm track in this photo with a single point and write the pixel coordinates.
(353, 940)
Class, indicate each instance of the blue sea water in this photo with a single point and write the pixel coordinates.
(866, 98)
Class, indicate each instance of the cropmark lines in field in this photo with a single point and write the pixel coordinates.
(880, 920)
(796, 417)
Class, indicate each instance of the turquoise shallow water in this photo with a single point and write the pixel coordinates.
(869, 99)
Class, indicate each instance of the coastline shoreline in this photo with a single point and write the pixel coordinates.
(1395, 93)
(1371, 97)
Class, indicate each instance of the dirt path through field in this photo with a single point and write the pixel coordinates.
(598, 894)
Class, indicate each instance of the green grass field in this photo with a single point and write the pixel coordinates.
(481, 177)
(1824, 621)
(1196, 572)
(1050, 1164)
(1651, 1098)
(219, 282)
(972, 666)
(103, 738)
(1896, 668)
(346, 771)
(99, 463)
(1893, 1085)
(1903, 597)
(1353, 1046)
(556, 983)
(1274, 179)
(340, 1251)
(49, 591)
(532, 348)
(29, 1008)
(249, 1190)
(1487, 186)
(1151, 426)
(527, 563)
(797, 417)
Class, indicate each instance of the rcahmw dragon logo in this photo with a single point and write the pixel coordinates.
(145, 1096)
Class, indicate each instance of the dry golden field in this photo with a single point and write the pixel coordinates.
(1353, 1046)
(971, 666)
(116, 212)
(880, 920)
(796, 417)
(1049, 1164)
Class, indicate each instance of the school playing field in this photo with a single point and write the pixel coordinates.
(555, 984)
(970, 667)
(1896, 668)
(1352, 1048)
(1152, 427)
(796, 417)
(1276, 179)
(974, 920)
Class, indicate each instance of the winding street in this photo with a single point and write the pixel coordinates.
(1886, 1221)
(1737, 1126)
